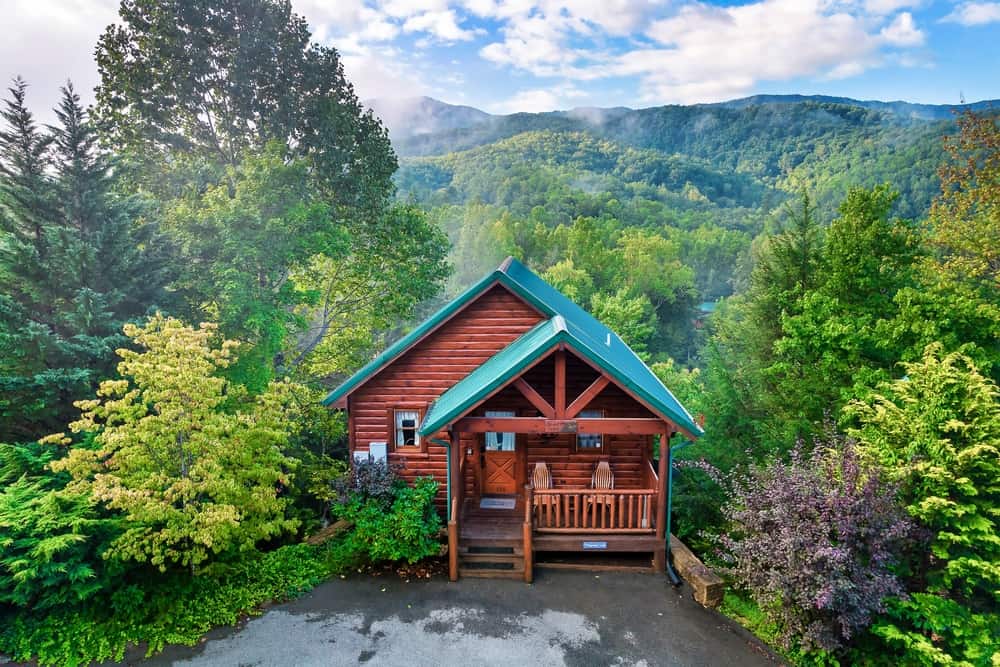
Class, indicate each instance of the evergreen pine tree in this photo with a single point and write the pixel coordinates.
(77, 261)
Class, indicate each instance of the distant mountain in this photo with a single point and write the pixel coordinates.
(898, 107)
(413, 116)
(411, 120)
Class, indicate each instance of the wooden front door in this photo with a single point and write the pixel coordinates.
(499, 460)
(500, 473)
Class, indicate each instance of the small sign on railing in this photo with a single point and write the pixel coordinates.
(588, 546)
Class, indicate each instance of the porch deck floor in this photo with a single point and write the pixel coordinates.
(491, 524)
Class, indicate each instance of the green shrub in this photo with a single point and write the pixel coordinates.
(51, 537)
(937, 433)
(166, 609)
(745, 611)
(407, 531)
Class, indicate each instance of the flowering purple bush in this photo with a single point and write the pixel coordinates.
(813, 542)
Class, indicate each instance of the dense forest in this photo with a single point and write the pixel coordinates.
(820, 280)
(228, 232)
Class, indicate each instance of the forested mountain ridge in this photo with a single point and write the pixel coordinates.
(899, 107)
(821, 146)
(407, 117)
(708, 178)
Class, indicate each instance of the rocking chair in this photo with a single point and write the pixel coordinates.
(603, 480)
(541, 479)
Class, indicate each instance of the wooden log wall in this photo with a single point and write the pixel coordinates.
(428, 369)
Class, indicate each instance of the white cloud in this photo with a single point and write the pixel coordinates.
(846, 70)
(442, 25)
(886, 7)
(705, 52)
(539, 99)
(903, 31)
(974, 13)
(406, 8)
(618, 17)
(716, 53)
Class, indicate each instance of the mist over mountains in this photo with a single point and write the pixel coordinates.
(709, 177)
(408, 118)
(747, 154)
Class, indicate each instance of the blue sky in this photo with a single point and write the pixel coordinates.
(531, 55)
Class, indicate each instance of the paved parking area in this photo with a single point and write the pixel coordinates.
(564, 618)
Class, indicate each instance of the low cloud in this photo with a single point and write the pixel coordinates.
(974, 13)
(539, 100)
(903, 31)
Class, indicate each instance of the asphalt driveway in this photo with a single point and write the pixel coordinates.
(564, 618)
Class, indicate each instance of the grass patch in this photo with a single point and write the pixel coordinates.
(746, 612)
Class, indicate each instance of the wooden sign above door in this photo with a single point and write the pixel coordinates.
(560, 426)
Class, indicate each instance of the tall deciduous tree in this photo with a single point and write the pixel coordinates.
(195, 466)
(77, 259)
(216, 80)
(283, 179)
(243, 240)
(957, 298)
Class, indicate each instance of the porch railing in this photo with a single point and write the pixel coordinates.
(594, 511)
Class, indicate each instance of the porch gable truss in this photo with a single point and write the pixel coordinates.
(507, 368)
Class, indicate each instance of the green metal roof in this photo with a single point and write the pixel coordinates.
(493, 374)
(569, 323)
(612, 356)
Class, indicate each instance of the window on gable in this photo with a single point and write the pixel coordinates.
(407, 422)
(499, 442)
(590, 442)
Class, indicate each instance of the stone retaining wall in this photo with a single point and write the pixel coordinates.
(708, 587)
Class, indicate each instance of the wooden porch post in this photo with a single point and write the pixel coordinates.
(456, 454)
(560, 384)
(660, 555)
(529, 556)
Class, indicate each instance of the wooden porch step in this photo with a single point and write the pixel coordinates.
(491, 549)
(491, 573)
(497, 559)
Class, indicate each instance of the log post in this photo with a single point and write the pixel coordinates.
(529, 555)
(660, 555)
(560, 384)
(453, 543)
(456, 454)
(457, 476)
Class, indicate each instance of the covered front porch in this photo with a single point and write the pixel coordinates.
(556, 433)
(559, 460)
(501, 534)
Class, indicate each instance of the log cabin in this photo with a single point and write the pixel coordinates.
(542, 427)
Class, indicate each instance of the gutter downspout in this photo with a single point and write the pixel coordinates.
(447, 446)
(674, 579)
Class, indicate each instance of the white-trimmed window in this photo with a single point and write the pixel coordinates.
(499, 442)
(590, 442)
(406, 423)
